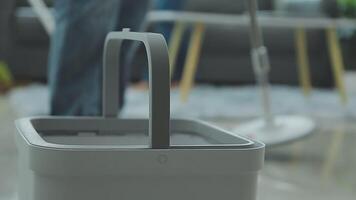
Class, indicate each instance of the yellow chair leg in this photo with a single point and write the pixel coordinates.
(191, 61)
(337, 63)
(174, 44)
(297, 150)
(333, 153)
(303, 60)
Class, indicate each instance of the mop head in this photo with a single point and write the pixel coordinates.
(284, 130)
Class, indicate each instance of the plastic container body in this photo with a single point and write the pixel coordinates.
(77, 163)
(91, 158)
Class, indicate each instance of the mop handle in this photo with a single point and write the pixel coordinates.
(260, 61)
(259, 52)
(44, 14)
(159, 83)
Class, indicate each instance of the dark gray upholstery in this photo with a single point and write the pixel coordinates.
(27, 42)
(5, 13)
(223, 6)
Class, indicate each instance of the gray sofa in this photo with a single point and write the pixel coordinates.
(225, 55)
(27, 42)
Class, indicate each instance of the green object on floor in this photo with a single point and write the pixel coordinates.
(5, 75)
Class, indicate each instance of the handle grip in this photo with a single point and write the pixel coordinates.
(159, 83)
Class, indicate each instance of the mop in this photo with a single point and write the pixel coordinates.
(270, 129)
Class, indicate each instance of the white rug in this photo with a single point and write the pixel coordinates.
(209, 102)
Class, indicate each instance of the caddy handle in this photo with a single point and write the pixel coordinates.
(159, 82)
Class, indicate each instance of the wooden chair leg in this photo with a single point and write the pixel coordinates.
(191, 61)
(337, 63)
(333, 153)
(174, 44)
(303, 60)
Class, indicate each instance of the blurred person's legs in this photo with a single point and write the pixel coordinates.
(75, 63)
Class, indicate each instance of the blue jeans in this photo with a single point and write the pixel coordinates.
(75, 60)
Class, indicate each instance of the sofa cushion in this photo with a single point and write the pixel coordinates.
(224, 6)
(22, 3)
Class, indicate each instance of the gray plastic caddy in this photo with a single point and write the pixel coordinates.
(106, 158)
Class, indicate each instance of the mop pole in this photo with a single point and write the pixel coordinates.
(44, 15)
(260, 62)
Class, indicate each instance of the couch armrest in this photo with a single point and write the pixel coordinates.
(7, 8)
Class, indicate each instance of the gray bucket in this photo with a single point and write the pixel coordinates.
(91, 158)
